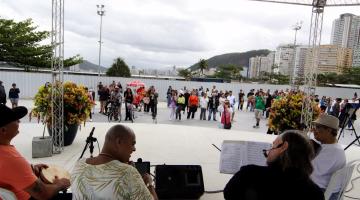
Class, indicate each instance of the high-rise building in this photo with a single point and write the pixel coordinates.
(284, 59)
(332, 59)
(260, 64)
(346, 33)
(300, 58)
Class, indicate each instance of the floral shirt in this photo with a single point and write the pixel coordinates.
(112, 180)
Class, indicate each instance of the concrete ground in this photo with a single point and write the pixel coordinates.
(169, 142)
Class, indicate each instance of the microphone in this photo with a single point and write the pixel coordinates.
(92, 132)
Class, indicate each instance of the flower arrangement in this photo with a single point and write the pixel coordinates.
(285, 112)
(77, 104)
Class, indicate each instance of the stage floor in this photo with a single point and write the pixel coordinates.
(163, 144)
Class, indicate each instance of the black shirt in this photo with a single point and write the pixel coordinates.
(263, 183)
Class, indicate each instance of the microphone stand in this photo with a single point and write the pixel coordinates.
(89, 143)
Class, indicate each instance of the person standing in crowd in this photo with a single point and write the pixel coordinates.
(153, 102)
(226, 115)
(213, 105)
(250, 97)
(14, 95)
(2, 94)
(268, 103)
(116, 99)
(16, 174)
(104, 94)
(331, 157)
(203, 105)
(286, 176)
(186, 95)
(328, 105)
(128, 98)
(193, 104)
(231, 99)
(241, 100)
(146, 101)
(172, 106)
(89, 94)
(180, 105)
(336, 108)
(168, 95)
(323, 104)
(259, 107)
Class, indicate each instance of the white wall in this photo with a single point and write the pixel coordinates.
(29, 82)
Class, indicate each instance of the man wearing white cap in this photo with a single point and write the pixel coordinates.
(331, 156)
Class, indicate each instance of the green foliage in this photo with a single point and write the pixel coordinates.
(185, 73)
(229, 71)
(350, 76)
(119, 68)
(202, 65)
(20, 45)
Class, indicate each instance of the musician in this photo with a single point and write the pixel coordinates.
(331, 156)
(109, 175)
(16, 174)
(286, 176)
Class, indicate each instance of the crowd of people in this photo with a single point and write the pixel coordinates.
(294, 165)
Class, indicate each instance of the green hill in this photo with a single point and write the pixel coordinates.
(238, 59)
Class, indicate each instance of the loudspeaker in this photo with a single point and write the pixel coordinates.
(179, 181)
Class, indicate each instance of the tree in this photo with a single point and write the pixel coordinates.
(119, 68)
(202, 65)
(229, 71)
(20, 45)
(185, 73)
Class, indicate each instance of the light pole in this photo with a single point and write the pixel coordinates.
(101, 12)
(296, 27)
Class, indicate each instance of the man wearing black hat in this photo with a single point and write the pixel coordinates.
(17, 175)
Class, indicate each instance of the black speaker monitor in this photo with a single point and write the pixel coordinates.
(179, 181)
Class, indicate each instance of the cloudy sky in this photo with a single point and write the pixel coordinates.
(164, 33)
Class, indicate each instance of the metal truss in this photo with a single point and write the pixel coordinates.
(57, 65)
(310, 73)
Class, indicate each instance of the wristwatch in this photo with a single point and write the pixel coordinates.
(149, 185)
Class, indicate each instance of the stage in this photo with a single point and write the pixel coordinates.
(163, 144)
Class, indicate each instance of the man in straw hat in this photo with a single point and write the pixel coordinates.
(331, 156)
(17, 175)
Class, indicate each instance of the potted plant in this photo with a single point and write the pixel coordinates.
(285, 112)
(77, 107)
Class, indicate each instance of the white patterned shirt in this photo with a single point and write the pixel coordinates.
(112, 180)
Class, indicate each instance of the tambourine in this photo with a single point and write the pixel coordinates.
(48, 175)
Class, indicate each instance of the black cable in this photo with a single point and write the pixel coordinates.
(351, 197)
(352, 184)
(214, 191)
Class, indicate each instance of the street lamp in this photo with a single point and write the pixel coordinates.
(101, 12)
(296, 28)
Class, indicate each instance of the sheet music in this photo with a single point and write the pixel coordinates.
(255, 154)
(235, 154)
(232, 156)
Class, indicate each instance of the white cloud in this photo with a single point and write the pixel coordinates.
(163, 33)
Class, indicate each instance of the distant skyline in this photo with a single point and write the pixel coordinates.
(163, 33)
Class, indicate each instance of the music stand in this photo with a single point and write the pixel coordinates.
(345, 120)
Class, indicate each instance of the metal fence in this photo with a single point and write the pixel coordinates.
(29, 82)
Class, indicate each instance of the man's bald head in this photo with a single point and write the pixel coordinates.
(118, 132)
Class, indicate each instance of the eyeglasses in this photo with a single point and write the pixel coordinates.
(267, 151)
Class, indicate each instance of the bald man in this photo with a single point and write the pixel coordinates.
(109, 175)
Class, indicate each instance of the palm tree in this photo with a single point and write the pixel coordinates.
(202, 65)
